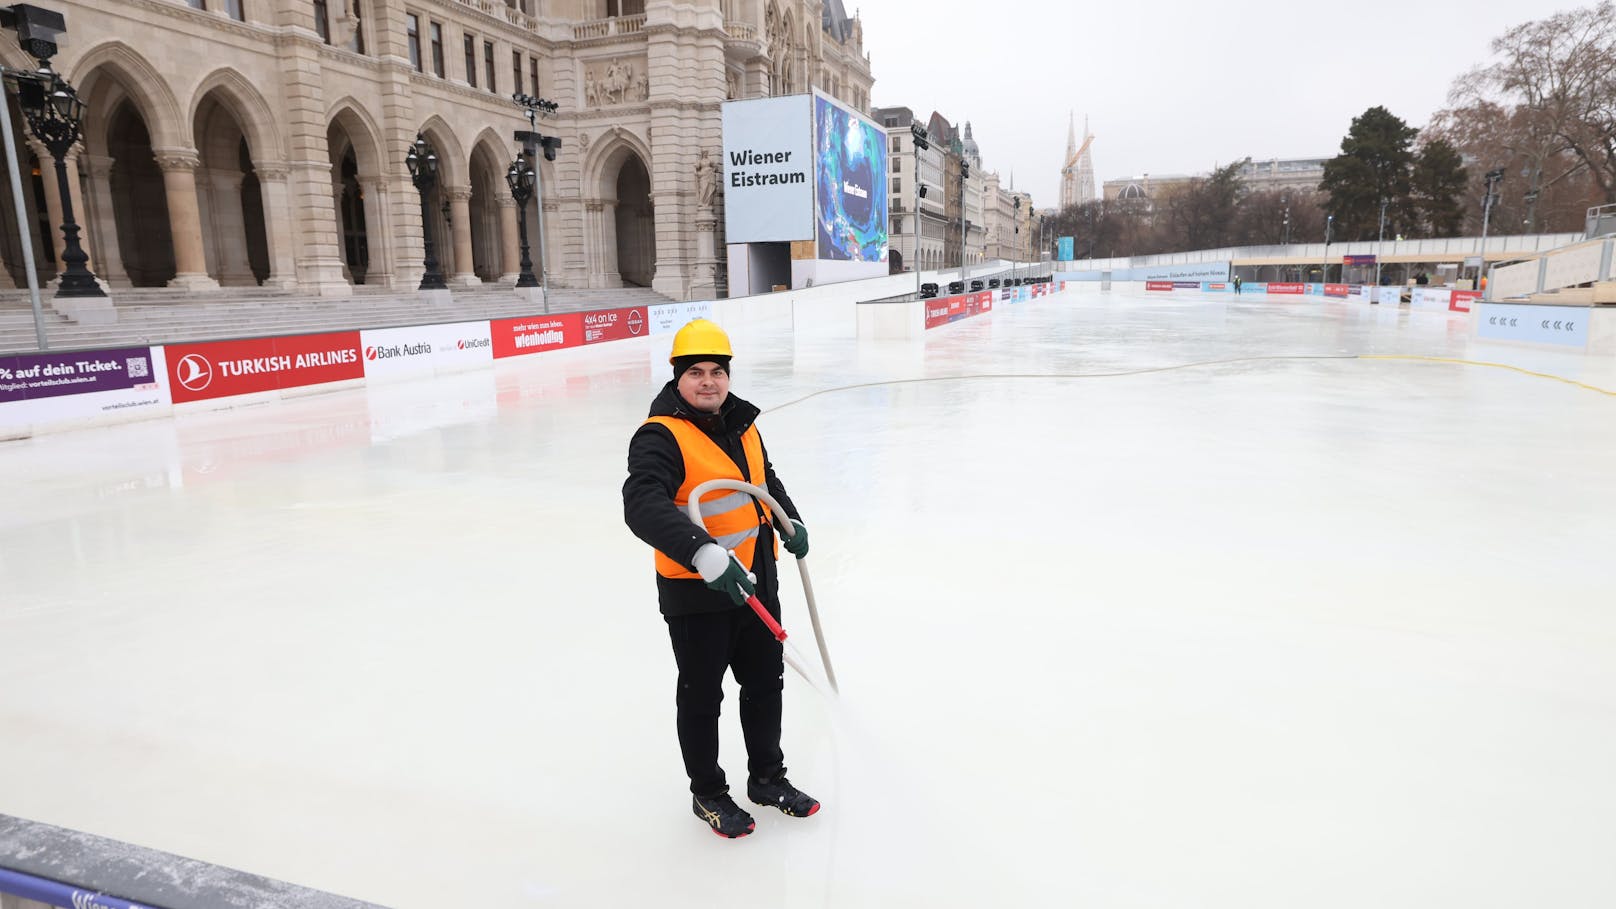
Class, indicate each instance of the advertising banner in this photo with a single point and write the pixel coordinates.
(1283, 288)
(1337, 291)
(220, 369)
(615, 324)
(850, 164)
(536, 334)
(1158, 285)
(1064, 247)
(43, 388)
(1430, 298)
(668, 317)
(768, 169)
(944, 310)
(1202, 271)
(26, 377)
(1461, 300)
(1358, 260)
(1186, 285)
(1565, 325)
(1215, 286)
(425, 349)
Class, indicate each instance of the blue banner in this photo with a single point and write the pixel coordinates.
(1064, 249)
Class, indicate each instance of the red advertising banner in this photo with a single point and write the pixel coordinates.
(1158, 285)
(614, 324)
(219, 369)
(942, 310)
(536, 334)
(1461, 299)
(1294, 289)
(1337, 290)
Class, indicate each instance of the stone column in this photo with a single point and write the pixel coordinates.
(511, 245)
(184, 218)
(228, 229)
(107, 254)
(53, 202)
(460, 233)
(377, 227)
(276, 194)
(338, 191)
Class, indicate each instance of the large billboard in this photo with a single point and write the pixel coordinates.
(768, 168)
(851, 175)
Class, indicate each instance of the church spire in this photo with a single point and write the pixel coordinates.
(1071, 133)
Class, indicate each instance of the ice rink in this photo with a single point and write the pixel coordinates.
(1278, 628)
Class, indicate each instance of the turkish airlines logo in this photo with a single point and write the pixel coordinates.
(194, 372)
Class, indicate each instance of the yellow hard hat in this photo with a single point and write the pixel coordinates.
(699, 336)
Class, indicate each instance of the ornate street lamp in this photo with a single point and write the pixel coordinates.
(55, 115)
(521, 179)
(422, 161)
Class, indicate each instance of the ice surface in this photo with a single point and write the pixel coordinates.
(1266, 633)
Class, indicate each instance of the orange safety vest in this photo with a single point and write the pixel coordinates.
(727, 514)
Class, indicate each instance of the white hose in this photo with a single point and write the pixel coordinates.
(693, 509)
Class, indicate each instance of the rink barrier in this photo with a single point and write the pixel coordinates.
(61, 867)
(56, 390)
(903, 317)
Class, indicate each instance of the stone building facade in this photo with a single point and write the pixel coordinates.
(262, 142)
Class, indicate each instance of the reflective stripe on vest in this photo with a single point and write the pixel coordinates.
(727, 514)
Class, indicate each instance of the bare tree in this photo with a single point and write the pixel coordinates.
(1561, 73)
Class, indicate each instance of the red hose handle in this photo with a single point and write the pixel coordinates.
(768, 620)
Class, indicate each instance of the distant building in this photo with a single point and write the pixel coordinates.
(1077, 175)
(1300, 175)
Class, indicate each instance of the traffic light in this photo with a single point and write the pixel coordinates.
(552, 146)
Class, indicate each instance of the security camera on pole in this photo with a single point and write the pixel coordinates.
(532, 142)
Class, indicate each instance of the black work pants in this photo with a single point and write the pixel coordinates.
(705, 645)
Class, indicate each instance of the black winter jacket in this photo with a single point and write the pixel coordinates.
(656, 470)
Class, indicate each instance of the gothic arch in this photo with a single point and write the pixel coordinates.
(115, 63)
(363, 134)
(489, 144)
(252, 112)
(606, 157)
(486, 167)
(452, 156)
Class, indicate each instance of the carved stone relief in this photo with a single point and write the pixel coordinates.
(616, 81)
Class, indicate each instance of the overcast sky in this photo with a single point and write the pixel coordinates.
(1173, 87)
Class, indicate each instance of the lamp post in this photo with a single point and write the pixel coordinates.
(1492, 178)
(917, 134)
(55, 116)
(1380, 240)
(532, 142)
(1329, 223)
(422, 160)
(1015, 246)
(521, 178)
(965, 171)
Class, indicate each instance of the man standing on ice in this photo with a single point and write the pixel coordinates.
(697, 431)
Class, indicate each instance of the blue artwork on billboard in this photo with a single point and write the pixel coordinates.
(851, 198)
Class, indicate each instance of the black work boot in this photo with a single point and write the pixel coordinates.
(723, 815)
(782, 795)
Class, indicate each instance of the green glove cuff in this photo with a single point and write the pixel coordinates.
(797, 545)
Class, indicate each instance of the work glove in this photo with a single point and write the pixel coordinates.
(723, 573)
(797, 543)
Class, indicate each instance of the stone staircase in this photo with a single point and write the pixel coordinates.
(159, 316)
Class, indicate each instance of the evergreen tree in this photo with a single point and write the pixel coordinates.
(1375, 165)
(1438, 182)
